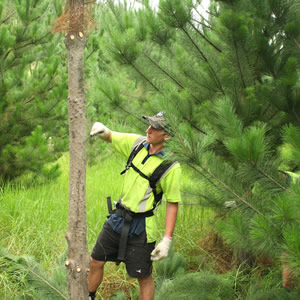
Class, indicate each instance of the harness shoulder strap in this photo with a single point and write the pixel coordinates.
(136, 148)
(159, 172)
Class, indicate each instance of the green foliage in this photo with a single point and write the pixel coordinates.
(202, 285)
(159, 32)
(27, 157)
(133, 295)
(251, 146)
(235, 231)
(275, 293)
(170, 267)
(292, 246)
(291, 138)
(33, 277)
(264, 237)
(33, 87)
(33, 220)
(175, 13)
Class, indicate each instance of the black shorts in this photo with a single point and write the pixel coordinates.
(138, 251)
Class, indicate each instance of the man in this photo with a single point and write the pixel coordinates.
(130, 233)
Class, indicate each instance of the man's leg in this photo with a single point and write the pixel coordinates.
(96, 274)
(146, 288)
(287, 276)
(287, 272)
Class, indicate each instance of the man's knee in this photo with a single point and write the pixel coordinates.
(147, 288)
(96, 264)
(145, 280)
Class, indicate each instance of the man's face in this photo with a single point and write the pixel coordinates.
(155, 136)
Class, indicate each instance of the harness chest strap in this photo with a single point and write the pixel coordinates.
(157, 173)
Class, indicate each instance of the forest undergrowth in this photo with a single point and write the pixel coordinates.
(33, 221)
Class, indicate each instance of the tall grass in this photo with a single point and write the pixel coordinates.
(33, 220)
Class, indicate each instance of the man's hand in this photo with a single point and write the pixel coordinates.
(99, 129)
(230, 204)
(162, 249)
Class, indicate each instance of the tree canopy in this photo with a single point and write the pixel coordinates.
(229, 85)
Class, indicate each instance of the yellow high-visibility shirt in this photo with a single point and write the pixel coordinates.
(136, 194)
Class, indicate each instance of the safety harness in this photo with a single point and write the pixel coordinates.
(128, 214)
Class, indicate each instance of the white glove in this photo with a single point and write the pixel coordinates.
(230, 204)
(100, 130)
(162, 249)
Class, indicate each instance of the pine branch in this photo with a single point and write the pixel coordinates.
(296, 42)
(146, 78)
(119, 106)
(89, 55)
(194, 194)
(296, 114)
(219, 180)
(195, 45)
(32, 42)
(48, 284)
(117, 17)
(28, 265)
(129, 113)
(140, 72)
(233, 193)
(275, 182)
(169, 50)
(202, 24)
(205, 59)
(201, 16)
(35, 3)
(28, 100)
(202, 174)
(164, 71)
(205, 38)
(170, 76)
(194, 126)
(239, 64)
(199, 83)
(8, 17)
(274, 114)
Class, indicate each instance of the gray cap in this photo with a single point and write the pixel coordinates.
(158, 121)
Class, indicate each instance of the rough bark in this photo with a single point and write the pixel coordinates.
(77, 262)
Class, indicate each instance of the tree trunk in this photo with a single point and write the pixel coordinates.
(77, 262)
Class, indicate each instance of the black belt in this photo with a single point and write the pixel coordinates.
(128, 217)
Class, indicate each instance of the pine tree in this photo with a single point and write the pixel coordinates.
(229, 85)
(32, 89)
